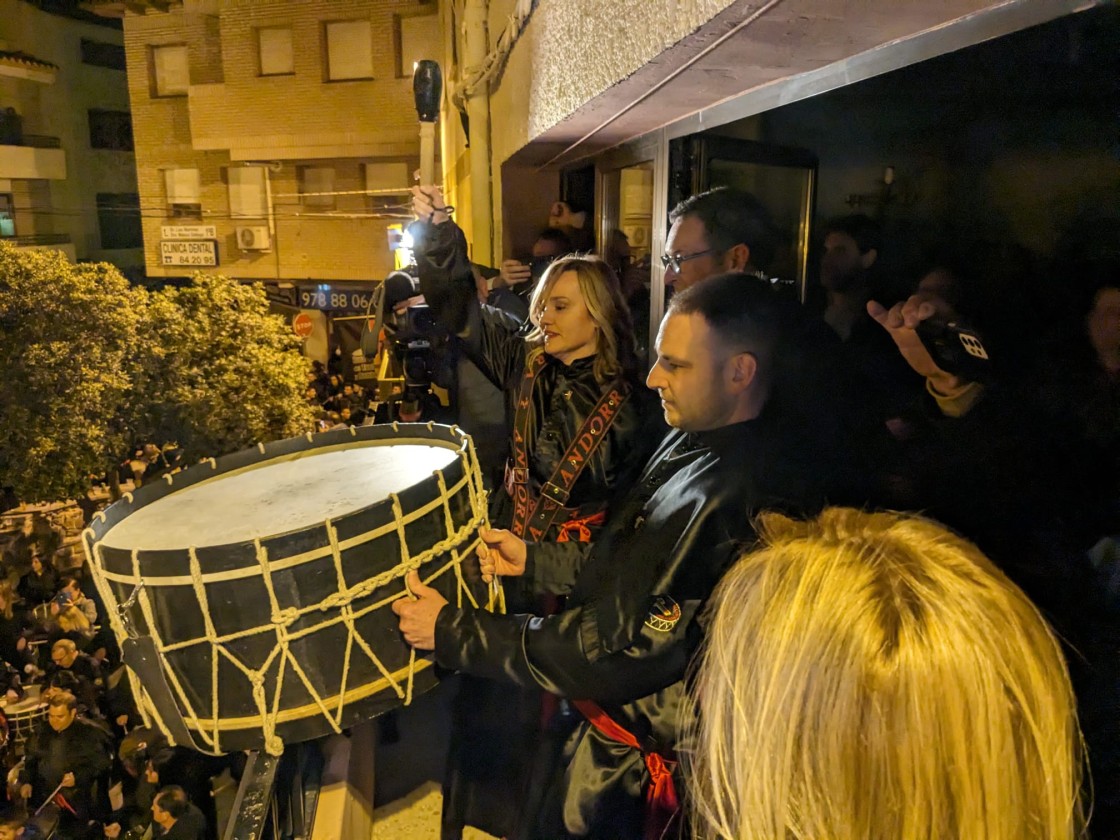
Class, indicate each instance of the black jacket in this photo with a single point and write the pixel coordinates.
(633, 619)
(563, 395)
(81, 749)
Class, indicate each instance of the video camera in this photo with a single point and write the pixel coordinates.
(413, 360)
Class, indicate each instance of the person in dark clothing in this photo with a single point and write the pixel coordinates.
(70, 756)
(65, 656)
(192, 772)
(39, 585)
(582, 426)
(13, 641)
(849, 275)
(621, 648)
(579, 360)
(176, 816)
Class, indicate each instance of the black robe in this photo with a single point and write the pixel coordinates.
(666, 544)
(563, 395)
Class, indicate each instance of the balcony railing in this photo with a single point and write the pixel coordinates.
(39, 141)
(37, 239)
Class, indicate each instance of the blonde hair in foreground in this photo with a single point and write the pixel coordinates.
(874, 676)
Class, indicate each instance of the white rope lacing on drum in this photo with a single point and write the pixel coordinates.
(458, 543)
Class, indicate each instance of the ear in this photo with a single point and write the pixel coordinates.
(868, 259)
(737, 258)
(743, 368)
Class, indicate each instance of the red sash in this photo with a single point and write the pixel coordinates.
(533, 517)
(662, 803)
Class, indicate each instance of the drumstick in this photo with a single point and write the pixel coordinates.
(427, 88)
(48, 799)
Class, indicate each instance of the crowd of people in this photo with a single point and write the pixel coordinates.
(78, 761)
(713, 632)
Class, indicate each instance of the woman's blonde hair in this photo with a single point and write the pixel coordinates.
(72, 618)
(875, 676)
(602, 294)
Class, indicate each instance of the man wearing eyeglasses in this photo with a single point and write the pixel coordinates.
(715, 232)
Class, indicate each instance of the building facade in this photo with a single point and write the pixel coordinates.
(275, 141)
(67, 172)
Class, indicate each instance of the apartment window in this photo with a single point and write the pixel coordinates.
(170, 70)
(118, 217)
(183, 192)
(349, 50)
(387, 176)
(248, 198)
(101, 54)
(275, 45)
(417, 37)
(110, 130)
(317, 187)
(7, 215)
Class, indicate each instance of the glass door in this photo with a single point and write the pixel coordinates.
(784, 179)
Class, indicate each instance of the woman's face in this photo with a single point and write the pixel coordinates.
(37, 565)
(570, 332)
(1103, 322)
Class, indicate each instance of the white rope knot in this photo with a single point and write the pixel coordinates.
(285, 616)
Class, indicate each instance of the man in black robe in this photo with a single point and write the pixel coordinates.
(621, 649)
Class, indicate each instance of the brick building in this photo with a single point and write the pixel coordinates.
(260, 126)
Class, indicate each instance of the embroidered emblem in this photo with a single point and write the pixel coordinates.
(663, 614)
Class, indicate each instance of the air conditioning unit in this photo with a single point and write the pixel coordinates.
(253, 238)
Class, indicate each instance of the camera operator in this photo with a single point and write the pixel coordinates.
(418, 354)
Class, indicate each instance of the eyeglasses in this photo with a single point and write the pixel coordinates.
(672, 262)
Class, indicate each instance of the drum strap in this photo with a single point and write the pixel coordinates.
(141, 656)
(532, 519)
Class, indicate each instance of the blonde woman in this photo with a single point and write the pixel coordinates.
(872, 676)
(582, 425)
(576, 367)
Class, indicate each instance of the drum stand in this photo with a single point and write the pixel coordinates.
(317, 790)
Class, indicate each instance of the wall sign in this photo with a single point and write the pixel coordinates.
(203, 252)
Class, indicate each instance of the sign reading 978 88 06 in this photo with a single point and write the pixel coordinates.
(323, 296)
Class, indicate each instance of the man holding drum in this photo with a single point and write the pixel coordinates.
(621, 648)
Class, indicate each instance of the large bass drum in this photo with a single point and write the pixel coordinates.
(251, 594)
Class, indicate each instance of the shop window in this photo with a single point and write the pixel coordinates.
(110, 130)
(349, 50)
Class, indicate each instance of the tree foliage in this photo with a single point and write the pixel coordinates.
(224, 373)
(91, 365)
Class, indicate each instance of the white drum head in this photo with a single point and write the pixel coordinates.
(278, 496)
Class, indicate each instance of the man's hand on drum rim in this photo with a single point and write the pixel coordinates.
(500, 553)
(418, 613)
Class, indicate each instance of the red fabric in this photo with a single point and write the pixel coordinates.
(60, 800)
(581, 527)
(662, 803)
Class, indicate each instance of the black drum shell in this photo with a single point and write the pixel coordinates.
(242, 601)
